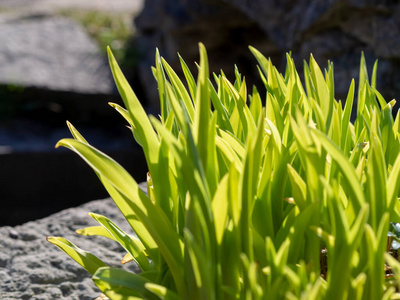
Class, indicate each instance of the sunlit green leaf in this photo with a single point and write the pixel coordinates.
(87, 260)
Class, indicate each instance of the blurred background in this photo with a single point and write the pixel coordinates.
(53, 68)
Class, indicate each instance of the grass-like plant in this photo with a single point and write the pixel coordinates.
(289, 200)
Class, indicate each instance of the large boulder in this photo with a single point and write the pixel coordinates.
(338, 31)
(332, 30)
(178, 26)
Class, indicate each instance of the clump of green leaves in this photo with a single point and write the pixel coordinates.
(241, 198)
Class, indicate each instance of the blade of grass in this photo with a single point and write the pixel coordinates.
(87, 260)
(120, 283)
(124, 240)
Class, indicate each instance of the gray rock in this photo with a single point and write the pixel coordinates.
(32, 268)
(334, 30)
(178, 26)
(338, 31)
(51, 52)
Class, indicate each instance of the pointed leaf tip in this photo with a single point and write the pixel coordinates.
(109, 53)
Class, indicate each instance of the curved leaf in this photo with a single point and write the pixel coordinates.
(87, 260)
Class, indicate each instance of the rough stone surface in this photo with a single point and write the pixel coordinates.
(32, 268)
(336, 30)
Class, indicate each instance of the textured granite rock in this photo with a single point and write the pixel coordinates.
(336, 30)
(32, 268)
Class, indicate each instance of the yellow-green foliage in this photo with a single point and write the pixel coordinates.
(242, 198)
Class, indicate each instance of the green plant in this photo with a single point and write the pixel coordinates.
(241, 198)
(107, 29)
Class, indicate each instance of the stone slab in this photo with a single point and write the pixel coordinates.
(133, 6)
(32, 268)
(54, 53)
